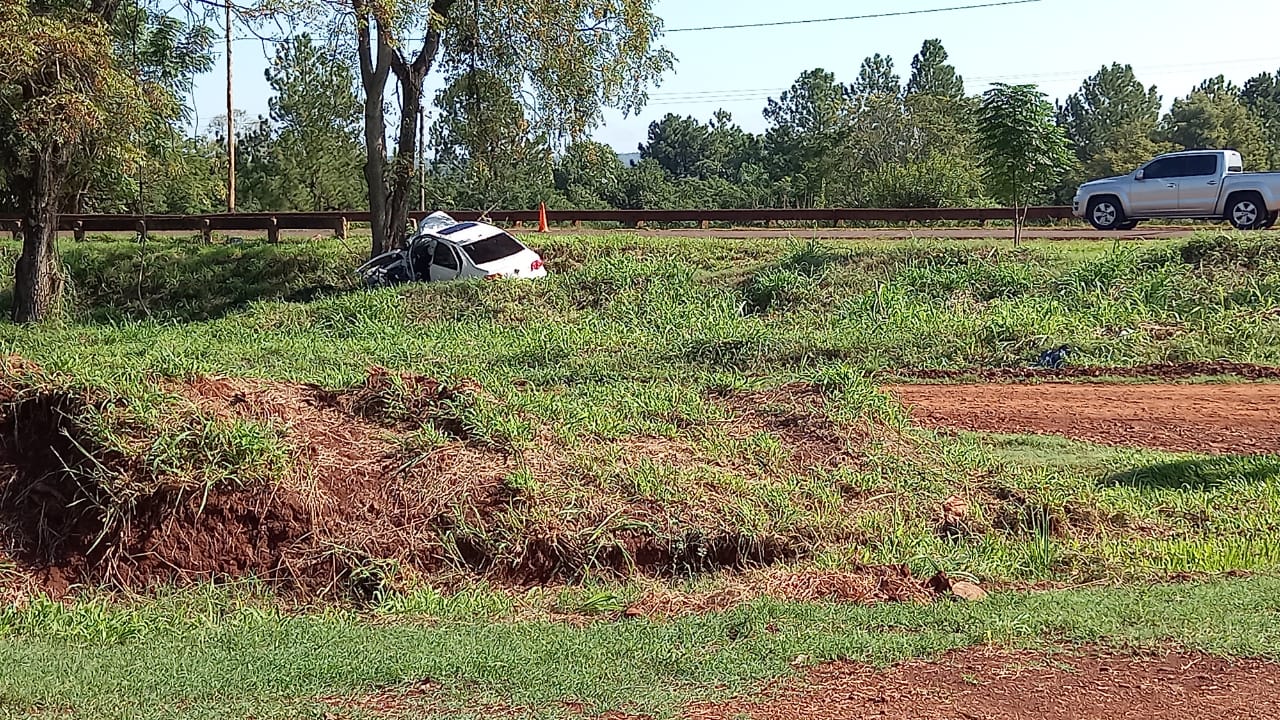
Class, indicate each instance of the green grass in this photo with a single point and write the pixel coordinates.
(208, 654)
(608, 391)
(685, 394)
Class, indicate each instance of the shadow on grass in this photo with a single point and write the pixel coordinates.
(170, 280)
(1198, 473)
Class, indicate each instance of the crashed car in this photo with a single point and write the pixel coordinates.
(445, 249)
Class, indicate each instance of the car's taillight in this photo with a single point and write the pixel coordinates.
(536, 264)
(493, 276)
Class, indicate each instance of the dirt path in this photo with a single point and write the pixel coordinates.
(989, 684)
(1241, 418)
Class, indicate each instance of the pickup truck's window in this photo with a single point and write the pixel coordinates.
(1166, 168)
(1199, 165)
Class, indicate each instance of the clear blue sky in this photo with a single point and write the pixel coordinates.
(1053, 43)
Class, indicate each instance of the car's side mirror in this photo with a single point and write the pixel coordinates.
(1140, 176)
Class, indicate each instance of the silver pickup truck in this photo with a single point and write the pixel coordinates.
(1197, 184)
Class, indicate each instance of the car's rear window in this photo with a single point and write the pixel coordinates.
(494, 247)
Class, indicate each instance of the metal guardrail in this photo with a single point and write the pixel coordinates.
(338, 222)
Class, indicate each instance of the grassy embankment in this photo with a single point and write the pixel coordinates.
(656, 407)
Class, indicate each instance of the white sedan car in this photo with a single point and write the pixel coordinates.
(444, 249)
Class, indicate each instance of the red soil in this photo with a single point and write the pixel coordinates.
(1242, 418)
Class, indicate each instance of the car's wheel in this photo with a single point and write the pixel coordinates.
(1105, 213)
(1127, 225)
(1246, 212)
(1271, 220)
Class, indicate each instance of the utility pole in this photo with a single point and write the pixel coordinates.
(231, 126)
(422, 160)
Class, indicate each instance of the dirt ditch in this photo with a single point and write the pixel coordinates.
(1152, 371)
(1209, 418)
(355, 505)
(995, 684)
(349, 504)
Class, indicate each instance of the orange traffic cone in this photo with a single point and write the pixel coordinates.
(542, 218)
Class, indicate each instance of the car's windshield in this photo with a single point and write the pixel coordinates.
(494, 247)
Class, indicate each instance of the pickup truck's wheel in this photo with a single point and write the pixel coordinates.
(1127, 225)
(1271, 220)
(1245, 212)
(1105, 213)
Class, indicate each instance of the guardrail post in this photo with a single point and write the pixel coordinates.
(577, 223)
(340, 228)
(141, 228)
(705, 224)
(206, 231)
(78, 229)
(273, 230)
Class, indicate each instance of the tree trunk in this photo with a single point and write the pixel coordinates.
(37, 278)
(412, 77)
(402, 168)
(375, 63)
(389, 206)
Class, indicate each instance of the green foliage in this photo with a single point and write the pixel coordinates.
(1110, 123)
(71, 104)
(589, 175)
(932, 75)
(939, 180)
(315, 151)
(679, 144)
(806, 139)
(876, 77)
(1024, 152)
(483, 143)
(1261, 94)
(1214, 116)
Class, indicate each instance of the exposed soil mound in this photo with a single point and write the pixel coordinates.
(350, 507)
(1163, 371)
(793, 414)
(1212, 418)
(322, 491)
(1006, 685)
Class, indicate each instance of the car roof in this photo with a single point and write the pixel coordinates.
(468, 232)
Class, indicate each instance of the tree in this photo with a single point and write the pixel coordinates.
(1111, 121)
(681, 145)
(69, 106)
(807, 136)
(317, 153)
(589, 174)
(876, 77)
(1261, 94)
(932, 75)
(569, 58)
(1024, 151)
(730, 147)
(1214, 116)
(484, 143)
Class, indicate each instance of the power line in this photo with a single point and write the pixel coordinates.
(741, 94)
(899, 13)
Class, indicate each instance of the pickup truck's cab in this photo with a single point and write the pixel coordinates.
(1196, 184)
